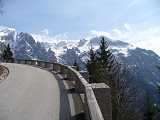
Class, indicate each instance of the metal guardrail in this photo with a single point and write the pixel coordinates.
(97, 96)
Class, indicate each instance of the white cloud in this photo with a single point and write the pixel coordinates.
(63, 36)
(144, 37)
(127, 26)
(141, 36)
(51, 38)
(45, 31)
(99, 33)
(45, 36)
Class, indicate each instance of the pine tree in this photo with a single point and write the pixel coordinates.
(106, 59)
(158, 88)
(94, 68)
(104, 52)
(7, 54)
(152, 109)
(91, 66)
(103, 67)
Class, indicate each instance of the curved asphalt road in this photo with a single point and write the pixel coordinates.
(29, 93)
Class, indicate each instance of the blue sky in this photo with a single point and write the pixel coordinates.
(78, 17)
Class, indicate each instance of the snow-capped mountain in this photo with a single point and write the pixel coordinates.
(30, 46)
(9, 35)
(24, 46)
(81, 47)
(59, 46)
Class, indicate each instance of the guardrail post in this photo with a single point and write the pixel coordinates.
(50, 66)
(103, 95)
(54, 67)
(38, 63)
(28, 62)
(57, 68)
(61, 69)
(25, 61)
(46, 64)
(66, 73)
(63, 72)
(32, 62)
(70, 76)
(79, 87)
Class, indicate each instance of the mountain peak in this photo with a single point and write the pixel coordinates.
(111, 42)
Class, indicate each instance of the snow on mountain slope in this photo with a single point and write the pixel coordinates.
(32, 46)
(24, 46)
(5, 30)
(119, 46)
(60, 46)
(8, 36)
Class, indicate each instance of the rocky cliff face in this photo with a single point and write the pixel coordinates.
(24, 46)
(143, 63)
(27, 48)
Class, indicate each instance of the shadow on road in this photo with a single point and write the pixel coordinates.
(65, 112)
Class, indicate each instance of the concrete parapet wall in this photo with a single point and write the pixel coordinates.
(97, 101)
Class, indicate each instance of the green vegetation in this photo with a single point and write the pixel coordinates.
(7, 54)
(103, 67)
(101, 62)
(152, 109)
(158, 88)
(93, 68)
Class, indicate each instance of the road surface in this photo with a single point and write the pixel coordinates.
(30, 93)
